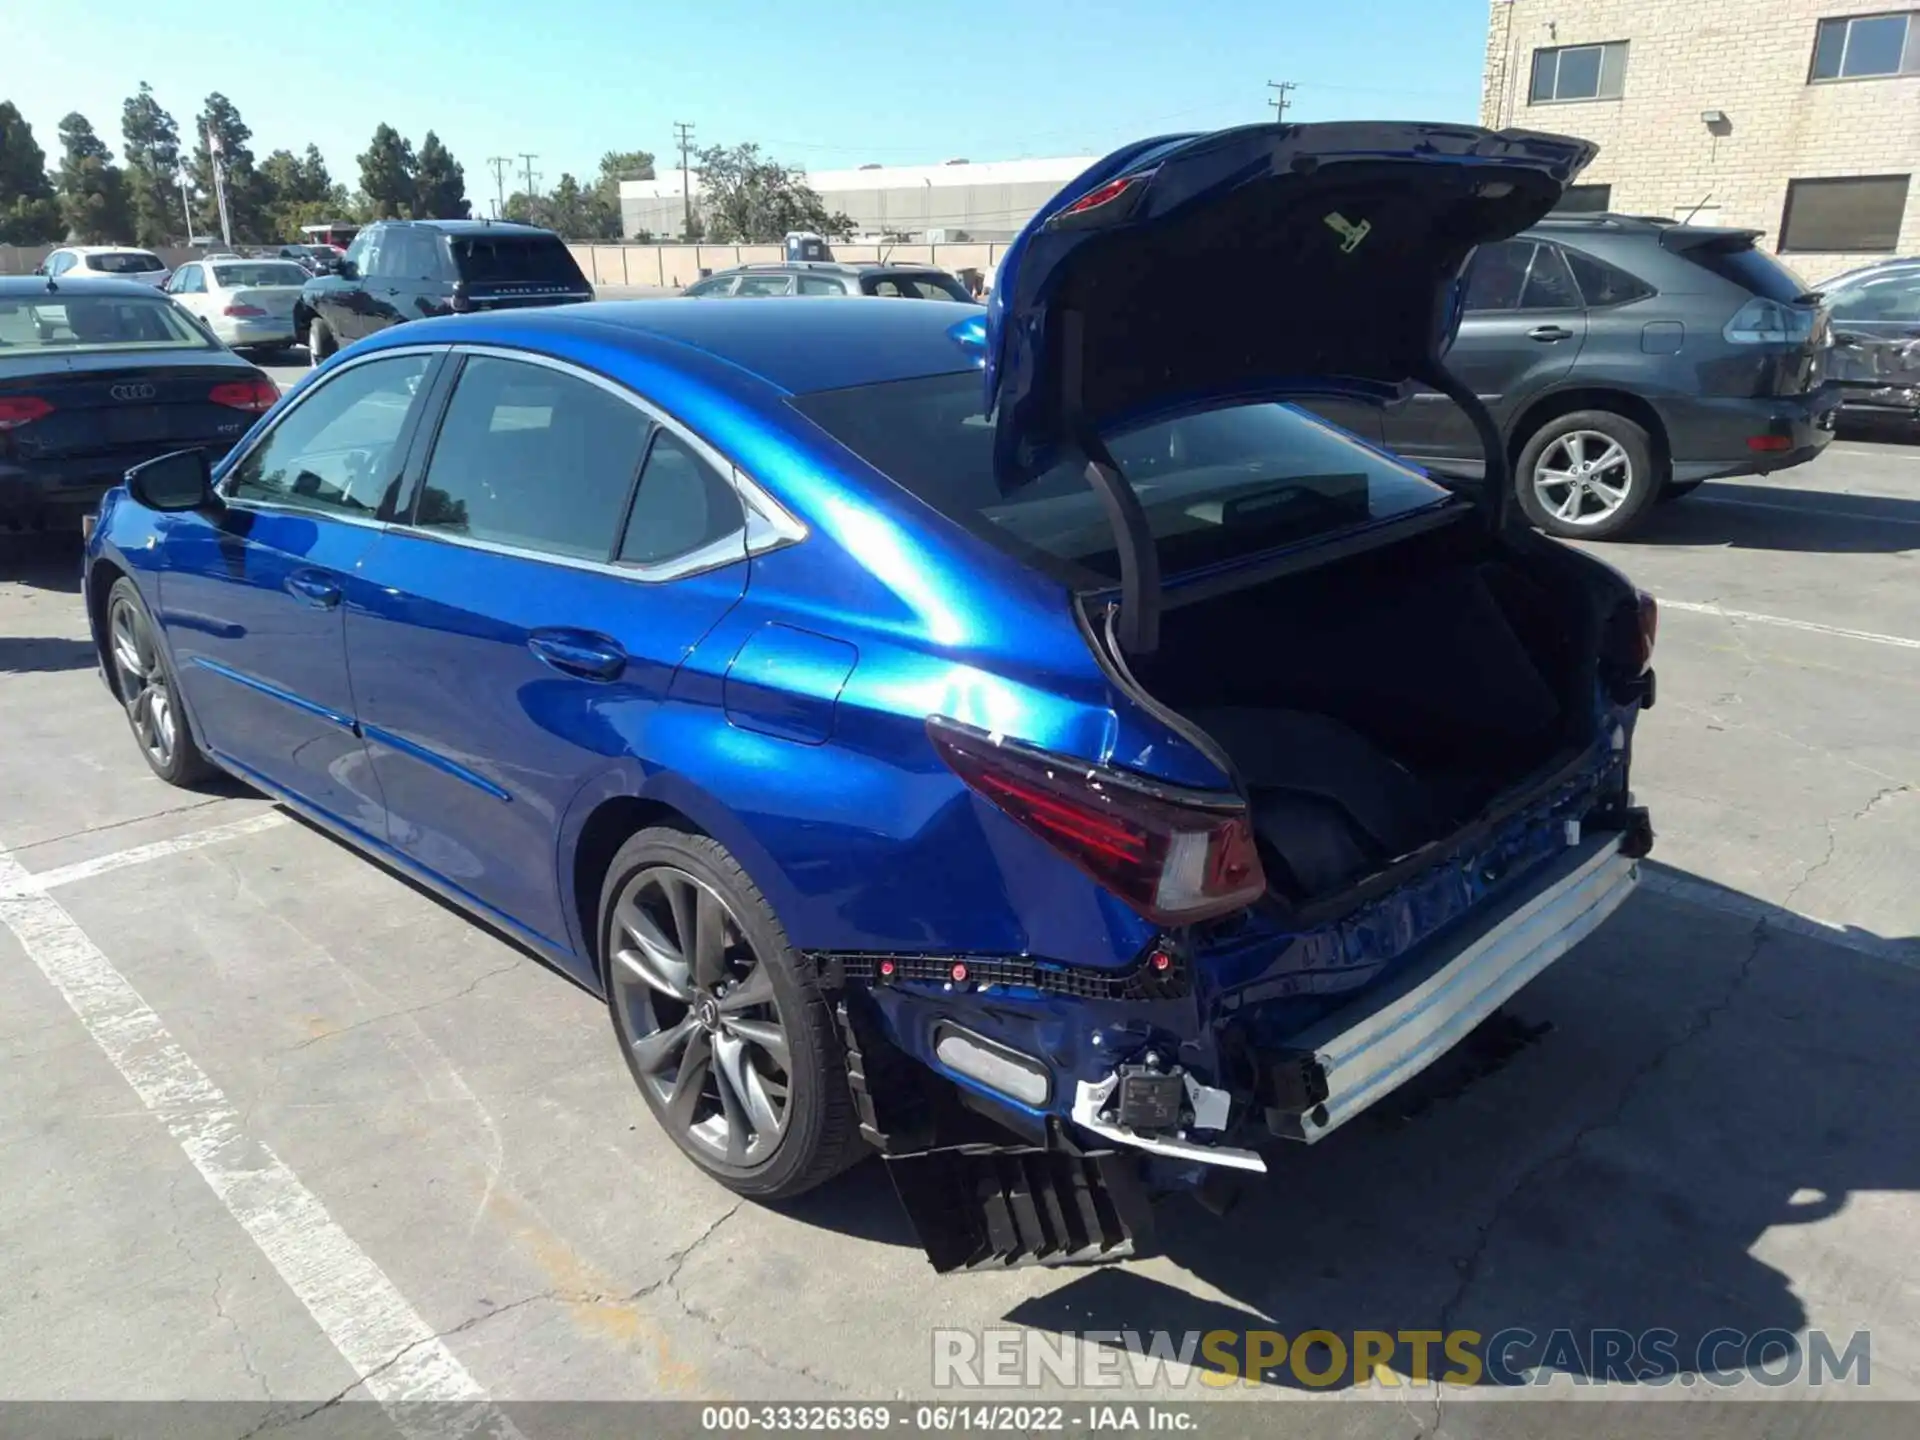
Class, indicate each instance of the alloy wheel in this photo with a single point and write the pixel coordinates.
(143, 684)
(695, 1005)
(1583, 477)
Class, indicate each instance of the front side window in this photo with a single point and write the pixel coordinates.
(1579, 72)
(761, 285)
(186, 281)
(532, 458)
(337, 451)
(1893, 299)
(1855, 47)
(1216, 485)
(821, 285)
(718, 285)
(1850, 215)
(363, 252)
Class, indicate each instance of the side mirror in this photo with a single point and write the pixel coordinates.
(39, 269)
(180, 481)
(346, 269)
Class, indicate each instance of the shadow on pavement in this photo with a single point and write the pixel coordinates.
(37, 654)
(45, 560)
(1772, 517)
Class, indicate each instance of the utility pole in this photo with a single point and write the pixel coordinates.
(684, 134)
(500, 164)
(186, 205)
(219, 187)
(1280, 102)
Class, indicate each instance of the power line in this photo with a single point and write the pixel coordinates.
(1279, 102)
(500, 164)
(683, 133)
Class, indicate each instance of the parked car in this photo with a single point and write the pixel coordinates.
(902, 777)
(98, 375)
(104, 262)
(399, 270)
(1626, 359)
(1876, 341)
(314, 259)
(248, 304)
(900, 282)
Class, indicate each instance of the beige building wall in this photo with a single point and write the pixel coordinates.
(1747, 58)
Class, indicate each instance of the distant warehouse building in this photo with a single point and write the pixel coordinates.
(952, 202)
(1798, 118)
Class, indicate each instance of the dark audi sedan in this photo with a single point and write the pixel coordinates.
(99, 375)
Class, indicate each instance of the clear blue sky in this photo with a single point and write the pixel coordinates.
(824, 84)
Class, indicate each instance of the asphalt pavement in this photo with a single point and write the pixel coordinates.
(278, 1128)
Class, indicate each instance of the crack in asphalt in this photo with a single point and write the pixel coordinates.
(106, 825)
(1834, 825)
(385, 1015)
(1703, 1019)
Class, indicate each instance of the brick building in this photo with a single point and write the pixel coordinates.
(1799, 118)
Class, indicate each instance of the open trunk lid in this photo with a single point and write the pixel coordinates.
(1351, 239)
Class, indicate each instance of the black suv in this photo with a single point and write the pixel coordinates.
(816, 277)
(408, 269)
(1626, 359)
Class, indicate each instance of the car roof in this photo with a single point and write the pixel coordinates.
(106, 249)
(21, 287)
(469, 227)
(790, 343)
(830, 267)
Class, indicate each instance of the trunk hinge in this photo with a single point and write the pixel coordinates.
(1498, 499)
(1138, 623)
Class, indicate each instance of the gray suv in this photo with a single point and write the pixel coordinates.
(830, 278)
(1627, 359)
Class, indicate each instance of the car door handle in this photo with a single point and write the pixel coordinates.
(579, 652)
(316, 589)
(1549, 332)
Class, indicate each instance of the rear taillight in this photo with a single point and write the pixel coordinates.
(255, 395)
(250, 312)
(18, 410)
(1104, 204)
(1767, 322)
(1176, 856)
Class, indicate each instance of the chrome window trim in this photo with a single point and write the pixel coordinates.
(240, 457)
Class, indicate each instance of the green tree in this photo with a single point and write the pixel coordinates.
(387, 175)
(29, 213)
(439, 183)
(220, 131)
(93, 192)
(303, 193)
(615, 166)
(152, 147)
(746, 196)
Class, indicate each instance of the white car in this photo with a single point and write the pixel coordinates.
(105, 262)
(248, 304)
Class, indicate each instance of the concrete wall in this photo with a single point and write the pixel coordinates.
(1748, 58)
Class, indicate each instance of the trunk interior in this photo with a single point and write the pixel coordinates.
(1377, 704)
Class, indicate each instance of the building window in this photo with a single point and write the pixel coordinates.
(1585, 200)
(1859, 46)
(1857, 215)
(1579, 72)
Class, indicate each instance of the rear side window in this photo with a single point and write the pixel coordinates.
(821, 285)
(532, 458)
(1751, 269)
(762, 285)
(125, 262)
(684, 504)
(1602, 284)
(500, 259)
(1225, 483)
(914, 287)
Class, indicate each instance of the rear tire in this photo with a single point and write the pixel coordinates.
(143, 679)
(728, 1036)
(320, 341)
(1587, 475)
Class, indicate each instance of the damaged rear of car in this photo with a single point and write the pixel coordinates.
(1363, 771)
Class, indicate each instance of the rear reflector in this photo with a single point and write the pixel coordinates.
(1177, 856)
(996, 1066)
(18, 410)
(1770, 443)
(255, 395)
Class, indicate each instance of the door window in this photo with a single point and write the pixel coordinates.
(1894, 299)
(821, 285)
(1520, 275)
(533, 458)
(187, 281)
(1549, 283)
(60, 263)
(364, 253)
(718, 285)
(684, 504)
(337, 450)
(759, 285)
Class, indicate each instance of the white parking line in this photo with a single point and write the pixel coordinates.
(158, 850)
(395, 1352)
(1812, 626)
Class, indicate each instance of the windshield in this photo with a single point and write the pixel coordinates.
(267, 273)
(124, 262)
(488, 258)
(1217, 485)
(71, 323)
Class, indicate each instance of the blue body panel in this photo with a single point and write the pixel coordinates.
(777, 703)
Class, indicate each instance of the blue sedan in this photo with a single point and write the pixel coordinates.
(1028, 745)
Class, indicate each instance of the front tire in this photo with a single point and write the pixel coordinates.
(143, 679)
(729, 1038)
(1587, 475)
(320, 342)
